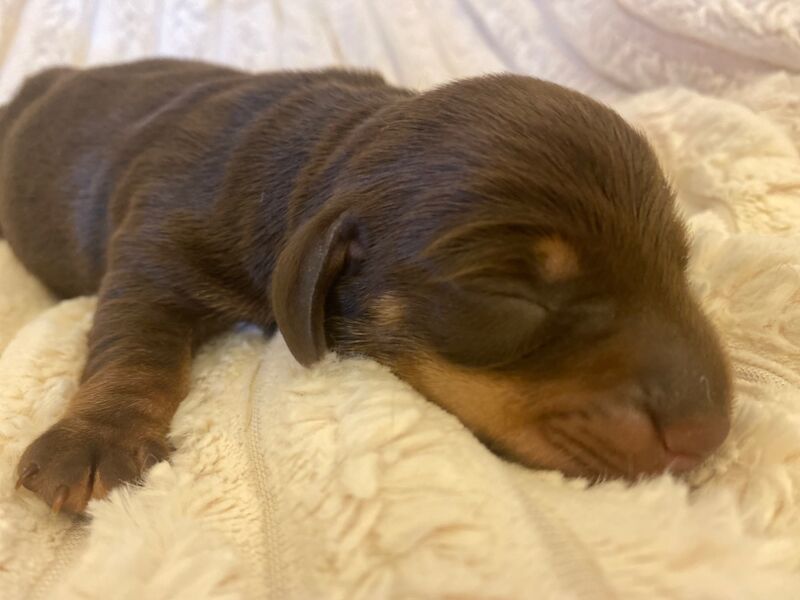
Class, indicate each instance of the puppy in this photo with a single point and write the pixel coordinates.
(508, 247)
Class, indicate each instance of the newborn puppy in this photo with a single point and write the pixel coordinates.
(508, 247)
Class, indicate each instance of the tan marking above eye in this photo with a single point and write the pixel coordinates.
(556, 258)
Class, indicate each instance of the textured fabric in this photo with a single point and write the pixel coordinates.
(340, 482)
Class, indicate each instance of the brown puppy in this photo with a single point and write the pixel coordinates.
(507, 246)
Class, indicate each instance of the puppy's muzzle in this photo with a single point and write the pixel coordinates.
(629, 439)
(669, 414)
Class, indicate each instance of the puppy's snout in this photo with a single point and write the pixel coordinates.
(682, 384)
(646, 444)
(690, 441)
(671, 425)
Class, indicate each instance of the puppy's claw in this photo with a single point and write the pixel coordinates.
(61, 495)
(149, 461)
(29, 471)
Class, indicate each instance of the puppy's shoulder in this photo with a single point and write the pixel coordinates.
(33, 90)
(35, 86)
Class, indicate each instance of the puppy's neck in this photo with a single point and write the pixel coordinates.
(284, 170)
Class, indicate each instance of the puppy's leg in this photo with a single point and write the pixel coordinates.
(137, 372)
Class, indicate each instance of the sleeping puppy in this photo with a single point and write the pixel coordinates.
(508, 247)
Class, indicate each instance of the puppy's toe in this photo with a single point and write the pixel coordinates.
(126, 464)
(58, 467)
(74, 462)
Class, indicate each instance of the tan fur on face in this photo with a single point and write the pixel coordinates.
(572, 420)
(556, 258)
(389, 311)
(503, 411)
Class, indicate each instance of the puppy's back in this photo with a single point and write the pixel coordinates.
(60, 142)
(78, 147)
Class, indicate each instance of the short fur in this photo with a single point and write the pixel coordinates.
(507, 246)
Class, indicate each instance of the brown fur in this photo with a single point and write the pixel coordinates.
(507, 246)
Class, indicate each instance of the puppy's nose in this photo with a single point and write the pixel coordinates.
(690, 441)
(691, 418)
(651, 445)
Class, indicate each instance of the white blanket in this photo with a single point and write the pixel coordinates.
(340, 482)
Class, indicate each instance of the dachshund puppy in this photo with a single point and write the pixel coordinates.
(508, 247)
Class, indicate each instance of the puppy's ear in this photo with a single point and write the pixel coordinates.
(306, 269)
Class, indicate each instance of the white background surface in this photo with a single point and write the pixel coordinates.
(341, 483)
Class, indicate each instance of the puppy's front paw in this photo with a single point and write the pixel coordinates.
(77, 460)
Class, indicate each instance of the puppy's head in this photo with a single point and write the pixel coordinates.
(511, 249)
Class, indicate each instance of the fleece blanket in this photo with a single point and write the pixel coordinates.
(340, 481)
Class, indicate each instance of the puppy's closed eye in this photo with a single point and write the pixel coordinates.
(474, 327)
(592, 319)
